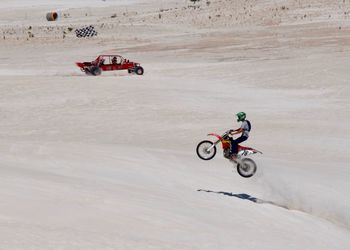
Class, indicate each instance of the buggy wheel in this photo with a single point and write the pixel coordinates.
(203, 152)
(95, 71)
(130, 71)
(246, 168)
(139, 70)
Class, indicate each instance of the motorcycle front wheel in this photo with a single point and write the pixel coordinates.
(203, 152)
(247, 168)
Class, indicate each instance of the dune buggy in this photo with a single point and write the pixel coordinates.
(109, 63)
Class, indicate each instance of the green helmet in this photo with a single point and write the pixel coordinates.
(241, 116)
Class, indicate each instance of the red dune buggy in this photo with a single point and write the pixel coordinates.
(109, 63)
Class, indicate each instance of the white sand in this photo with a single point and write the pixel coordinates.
(109, 162)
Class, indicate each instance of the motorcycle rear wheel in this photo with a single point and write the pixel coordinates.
(247, 168)
(202, 150)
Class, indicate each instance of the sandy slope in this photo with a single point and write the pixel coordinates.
(108, 162)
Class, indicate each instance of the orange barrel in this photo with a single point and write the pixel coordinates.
(51, 16)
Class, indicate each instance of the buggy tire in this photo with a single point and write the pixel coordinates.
(139, 70)
(95, 70)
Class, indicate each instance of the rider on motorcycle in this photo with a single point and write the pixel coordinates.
(244, 129)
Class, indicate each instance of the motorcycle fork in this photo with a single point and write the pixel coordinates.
(212, 146)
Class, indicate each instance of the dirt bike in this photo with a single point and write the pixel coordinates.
(246, 167)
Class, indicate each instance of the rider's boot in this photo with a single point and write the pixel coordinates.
(233, 157)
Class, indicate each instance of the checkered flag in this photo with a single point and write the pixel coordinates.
(88, 31)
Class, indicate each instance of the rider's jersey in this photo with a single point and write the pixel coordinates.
(246, 128)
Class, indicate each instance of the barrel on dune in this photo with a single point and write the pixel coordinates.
(51, 16)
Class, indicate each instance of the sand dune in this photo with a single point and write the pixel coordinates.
(109, 162)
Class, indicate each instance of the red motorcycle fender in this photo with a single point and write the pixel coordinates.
(216, 135)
